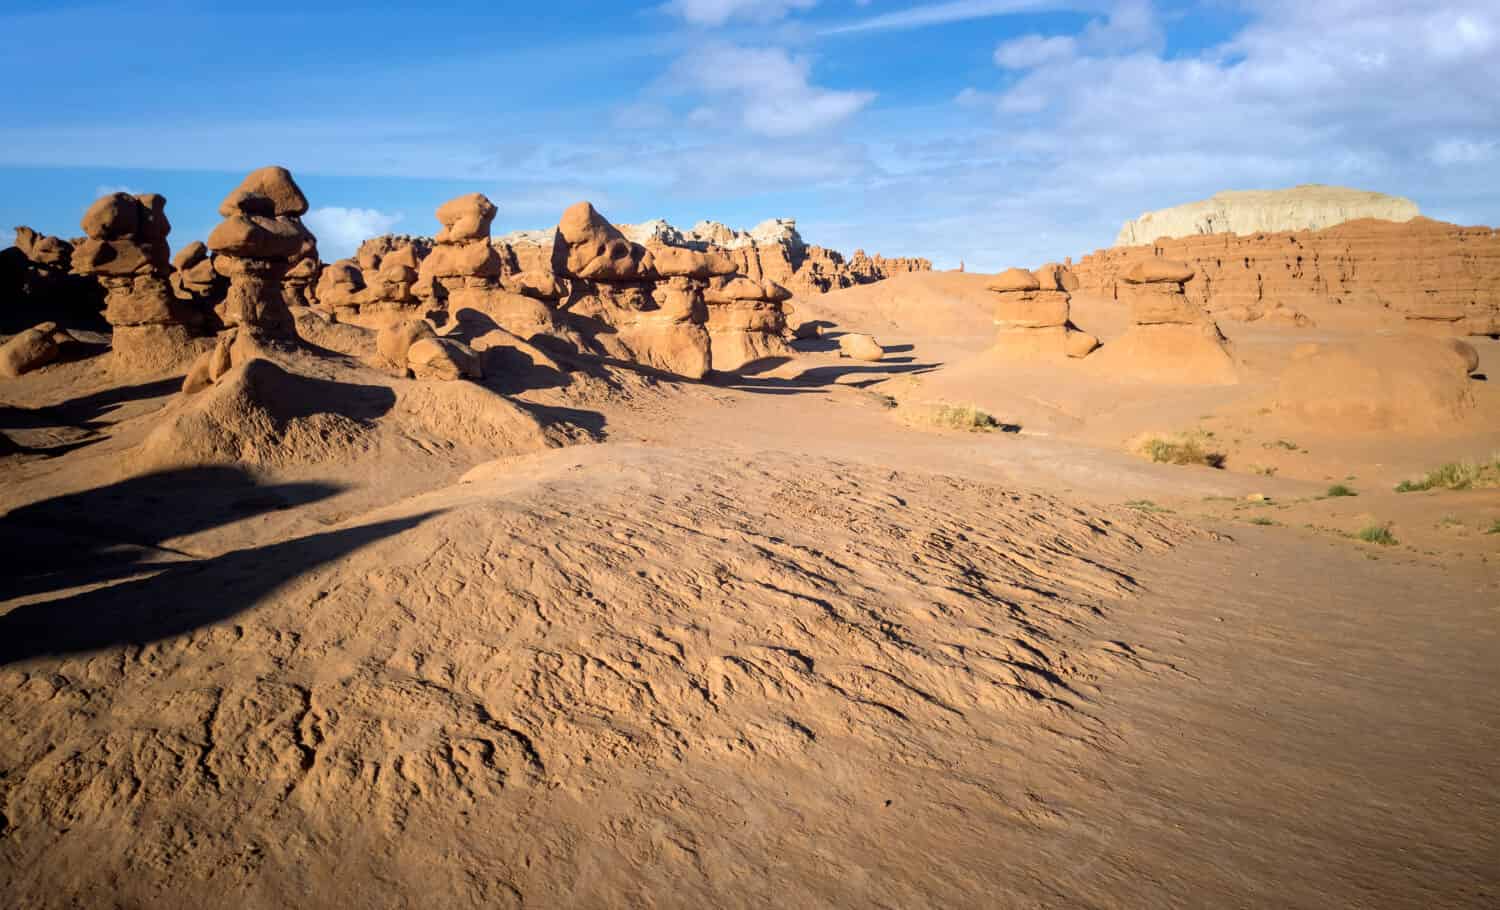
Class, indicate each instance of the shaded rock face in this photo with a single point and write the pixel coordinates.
(1310, 207)
(1441, 277)
(37, 282)
(1032, 321)
(126, 250)
(256, 246)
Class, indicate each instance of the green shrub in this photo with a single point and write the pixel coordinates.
(1380, 534)
(964, 417)
(1339, 489)
(1456, 475)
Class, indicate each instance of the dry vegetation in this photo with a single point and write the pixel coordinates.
(1457, 475)
(1180, 448)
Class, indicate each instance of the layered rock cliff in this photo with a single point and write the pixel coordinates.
(1441, 275)
(1309, 207)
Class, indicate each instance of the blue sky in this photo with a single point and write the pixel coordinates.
(996, 132)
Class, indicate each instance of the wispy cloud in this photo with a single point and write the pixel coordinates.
(954, 11)
(718, 12)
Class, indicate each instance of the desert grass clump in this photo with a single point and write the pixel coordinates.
(1494, 527)
(1146, 505)
(1181, 448)
(1377, 534)
(1338, 490)
(965, 417)
(1457, 475)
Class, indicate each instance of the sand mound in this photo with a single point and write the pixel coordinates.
(1402, 383)
(259, 414)
(1167, 353)
(466, 414)
(641, 660)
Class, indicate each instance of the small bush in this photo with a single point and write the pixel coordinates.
(1379, 534)
(965, 417)
(1338, 490)
(1180, 449)
(1145, 505)
(1494, 528)
(1261, 520)
(1280, 444)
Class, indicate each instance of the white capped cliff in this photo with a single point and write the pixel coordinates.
(1309, 207)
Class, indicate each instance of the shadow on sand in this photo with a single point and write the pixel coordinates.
(116, 532)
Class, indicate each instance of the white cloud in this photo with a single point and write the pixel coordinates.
(770, 86)
(340, 231)
(1034, 50)
(718, 12)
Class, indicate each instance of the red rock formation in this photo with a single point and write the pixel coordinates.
(1438, 275)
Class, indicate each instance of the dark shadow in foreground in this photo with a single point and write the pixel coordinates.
(180, 598)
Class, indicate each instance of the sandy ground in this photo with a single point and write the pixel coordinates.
(771, 639)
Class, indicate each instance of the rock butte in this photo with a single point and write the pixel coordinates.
(1301, 208)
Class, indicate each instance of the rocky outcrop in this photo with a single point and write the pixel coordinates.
(126, 250)
(1441, 277)
(1032, 317)
(463, 275)
(1309, 207)
(1170, 338)
(256, 246)
(772, 250)
(32, 349)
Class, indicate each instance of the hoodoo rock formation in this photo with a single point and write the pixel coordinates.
(1309, 207)
(126, 250)
(37, 282)
(256, 246)
(463, 275)
(772, 250)
(1032, 320)
(1441, 277)
(1170, 338)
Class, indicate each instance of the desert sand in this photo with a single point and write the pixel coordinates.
(610, 577)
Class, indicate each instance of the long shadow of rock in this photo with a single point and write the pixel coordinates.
(83, 412)
(108, 532)
(819, 378)
(177, 600)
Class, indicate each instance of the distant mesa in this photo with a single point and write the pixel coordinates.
(1309, 207)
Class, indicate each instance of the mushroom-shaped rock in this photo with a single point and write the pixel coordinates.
(443, 358)
(860, 347)
(673, 261)
(1159, 271)
(465, 218)
(1015, 280)
(112, 217)
(267, 191)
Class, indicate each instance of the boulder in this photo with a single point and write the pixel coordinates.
(860, 347)
(465, 218)
(588, 246)
(1159, 271)
(269, 191)
(394, 340)
(1015, 280)
(442, 358)
(26, 351)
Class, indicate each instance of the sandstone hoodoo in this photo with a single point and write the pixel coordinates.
(686, 313)
(1032, 320)
(1309, 207)
(1170, 338)
(126, 250)
(37, 282)
(462, 274)
(256, 246)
